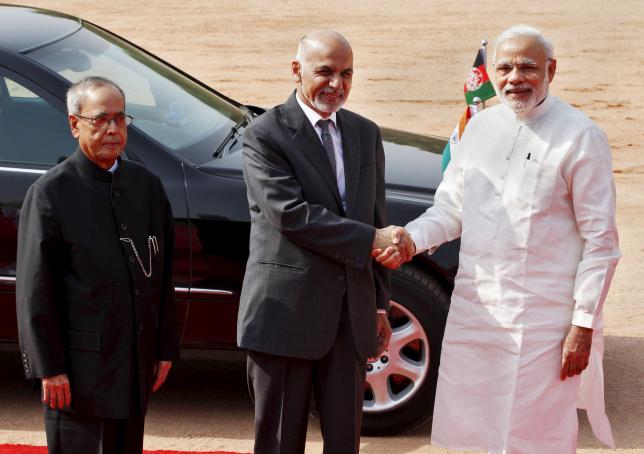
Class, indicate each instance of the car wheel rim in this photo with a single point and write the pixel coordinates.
(397, 375)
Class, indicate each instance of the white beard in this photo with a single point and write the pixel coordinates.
(328, 107)
(524, 105)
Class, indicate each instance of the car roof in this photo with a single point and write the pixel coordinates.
(25, 28)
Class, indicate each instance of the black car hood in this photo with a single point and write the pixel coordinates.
(413, 162)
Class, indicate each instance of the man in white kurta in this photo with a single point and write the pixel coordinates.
(530, 193)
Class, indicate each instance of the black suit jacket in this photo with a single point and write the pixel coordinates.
(306, 254)
(84, 306)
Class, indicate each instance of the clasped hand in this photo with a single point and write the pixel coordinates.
(392, 246)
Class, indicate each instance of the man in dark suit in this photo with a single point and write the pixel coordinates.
(314, 304)
(95, 299)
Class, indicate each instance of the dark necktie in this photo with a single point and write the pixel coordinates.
(327, 142)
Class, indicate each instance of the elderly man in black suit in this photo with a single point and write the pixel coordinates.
(95, 299)
(314, 303)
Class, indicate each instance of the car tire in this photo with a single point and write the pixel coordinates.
(405, 375)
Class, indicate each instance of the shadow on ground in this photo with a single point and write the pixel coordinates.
(202, 398)
(209, 398)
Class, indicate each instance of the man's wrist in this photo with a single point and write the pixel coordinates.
(583, 329)
(374, 239)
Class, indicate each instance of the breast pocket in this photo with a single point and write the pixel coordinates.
(537, 184)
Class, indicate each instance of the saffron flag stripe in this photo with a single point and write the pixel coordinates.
(455, 138)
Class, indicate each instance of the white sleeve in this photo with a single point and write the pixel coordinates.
(442, 221)
(589, 174)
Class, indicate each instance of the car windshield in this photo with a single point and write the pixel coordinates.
(166, 105)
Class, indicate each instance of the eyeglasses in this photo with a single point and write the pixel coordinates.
(102, 121)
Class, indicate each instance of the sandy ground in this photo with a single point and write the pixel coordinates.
(410, 63)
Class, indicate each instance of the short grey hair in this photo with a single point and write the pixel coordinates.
(77, 92)
(299, 55)
(525, 31)
(302, 46)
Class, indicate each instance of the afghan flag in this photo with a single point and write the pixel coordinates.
(478, 84)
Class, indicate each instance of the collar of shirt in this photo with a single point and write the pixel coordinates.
(87, 166)
(114, 166)
(313, 116)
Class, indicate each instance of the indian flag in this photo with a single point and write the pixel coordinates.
(456, 136)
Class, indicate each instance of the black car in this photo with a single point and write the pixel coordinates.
(190, 135)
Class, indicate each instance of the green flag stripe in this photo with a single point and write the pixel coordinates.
(485, 92)
(447, 156)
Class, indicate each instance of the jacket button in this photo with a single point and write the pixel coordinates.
(136, 292)
(140, 326)
(123, 226)
(341, 276)
(131, 258)
(116, 193)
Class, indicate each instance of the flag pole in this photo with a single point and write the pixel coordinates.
(484, 51)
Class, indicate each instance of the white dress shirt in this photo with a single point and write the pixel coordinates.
(314, 117)
(114, 166)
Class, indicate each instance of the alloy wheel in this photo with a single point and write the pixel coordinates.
(395, 376)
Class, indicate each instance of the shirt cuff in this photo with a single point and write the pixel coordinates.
(382, 311)
(416, 238)
(582, 319)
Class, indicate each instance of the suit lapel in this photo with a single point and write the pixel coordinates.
(309, 144)
(351, 158)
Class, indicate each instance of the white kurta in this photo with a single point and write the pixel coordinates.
(533, 201)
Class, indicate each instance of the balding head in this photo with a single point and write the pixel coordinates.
(323, 70)
(317, 39)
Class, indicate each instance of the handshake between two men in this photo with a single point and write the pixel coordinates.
(392, 246)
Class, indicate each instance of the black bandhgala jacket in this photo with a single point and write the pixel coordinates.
(84, 304)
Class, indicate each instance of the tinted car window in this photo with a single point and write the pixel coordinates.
(15, 90)
(33, 133)
(170, 108)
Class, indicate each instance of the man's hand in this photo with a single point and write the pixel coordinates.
(392, 246)
(384, 334)
(161, 369)
(56, 392)
(576, 351)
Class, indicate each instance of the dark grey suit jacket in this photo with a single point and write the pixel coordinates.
(306, 253)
